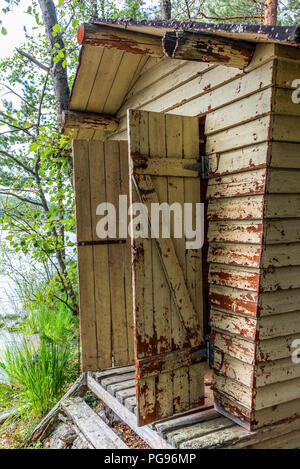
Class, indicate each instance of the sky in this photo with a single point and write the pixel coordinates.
(13, 23)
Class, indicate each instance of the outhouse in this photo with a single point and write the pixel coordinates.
(192, 113)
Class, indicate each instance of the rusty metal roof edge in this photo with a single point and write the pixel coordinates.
(283, 34)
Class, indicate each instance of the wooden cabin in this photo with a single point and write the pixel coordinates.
(192, 113)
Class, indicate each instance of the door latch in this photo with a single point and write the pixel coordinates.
(207, 353)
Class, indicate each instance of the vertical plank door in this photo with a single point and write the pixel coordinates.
(167, 277)
(105, 295)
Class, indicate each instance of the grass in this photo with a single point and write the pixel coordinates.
(36, 379)
(54, 322)
(35, 375)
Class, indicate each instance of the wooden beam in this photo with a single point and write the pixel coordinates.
(122, 39)
(93, 428)
(203, 48)
(73, 120)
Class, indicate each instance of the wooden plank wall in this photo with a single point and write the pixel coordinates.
(253, 137)
(106, 322)
(255, 287)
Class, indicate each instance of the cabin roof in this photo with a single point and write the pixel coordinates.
(105, 75)
(289, 35)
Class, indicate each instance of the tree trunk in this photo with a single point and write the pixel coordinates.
(166, 9)
(58, 73)
(271, 7)
(94, 4)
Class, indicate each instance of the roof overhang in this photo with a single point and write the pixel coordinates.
(289, 35)
(115, 51)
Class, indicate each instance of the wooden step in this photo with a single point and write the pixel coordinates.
(92, 427)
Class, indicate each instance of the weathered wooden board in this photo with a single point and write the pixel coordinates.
(243, 278)
(110, 38)
(234, 299)
(94, 429)
(244, 350)
(165, 85)
(248, 255)
(279, 302)
(253, 132)
(200, 47)
(234, 185)
(146, 433)
(242, 159)
(105, 293)
(235, 324)
(185, 93)
(204, 428)
(263, 397)
(266, 328)
(237, 208)
(253, 228)
(89, 60)
(235, 231)
(259, 375)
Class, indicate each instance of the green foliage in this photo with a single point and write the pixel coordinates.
(34, 374)
(210, 10)
(55, 323)
(36, 163)
(36, 379)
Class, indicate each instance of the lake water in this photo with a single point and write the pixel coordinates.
(9, 307)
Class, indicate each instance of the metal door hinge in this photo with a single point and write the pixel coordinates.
(202, 167)
(210, 352)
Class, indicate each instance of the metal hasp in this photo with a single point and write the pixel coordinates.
(200, 354)
(202, 167)
(101, 242)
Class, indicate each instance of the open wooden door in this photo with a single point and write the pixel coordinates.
(167, 278)
(104, 265)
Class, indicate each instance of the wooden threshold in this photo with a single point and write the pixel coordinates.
(200, 429)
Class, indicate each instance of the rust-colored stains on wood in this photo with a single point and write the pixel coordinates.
(239, 325)
(243, 278)
(235, 232)
(189, 46)
(234, 346)
(126, 41)
(235, 300)
(246, 183)
(236, 208)
(104, 270)
(167, 280)
(163, 363)
(72, 120)
(235, 254)
(145, 393)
